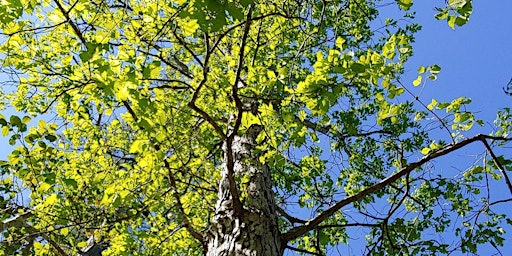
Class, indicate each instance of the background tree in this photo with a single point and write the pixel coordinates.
(201, 127)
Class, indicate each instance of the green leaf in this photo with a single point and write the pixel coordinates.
(86, 55)
(26, 119)
(82, 244)
(457, 3)
(70, 182)
(432, 104)
(49, 178)
(442, 14)
(451, 22)
(5, 130)
(137, 146)
(434, 69)
(417, 81)
(3, 122)
(50, 137)
(15, 121)
(358, 67)
(405, 4)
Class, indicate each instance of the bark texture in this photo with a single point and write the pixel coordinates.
(254, 230)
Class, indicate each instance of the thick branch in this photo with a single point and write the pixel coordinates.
(313, 223)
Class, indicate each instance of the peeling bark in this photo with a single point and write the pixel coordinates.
(254, 231)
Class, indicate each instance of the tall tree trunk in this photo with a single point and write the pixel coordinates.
(254, 230)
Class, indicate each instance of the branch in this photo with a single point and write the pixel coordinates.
(348, 225)
(192, 103)
(313, 223)
(326, 130)
(130, 110)
(184, 44)
(429, 110)
(68, 19)
(230, 165)
(290, 218)
(47, 238)
(184, 218)
(35, 29)
(302, 250)
(226, 32)
(167, 86)
(16, 221)
(236, 98)
(19, 221)
(168, 63)
(498, 164)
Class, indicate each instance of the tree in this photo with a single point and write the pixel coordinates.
(204, 127)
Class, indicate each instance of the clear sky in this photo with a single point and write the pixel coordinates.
(475, 59)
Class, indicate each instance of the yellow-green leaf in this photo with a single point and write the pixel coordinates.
(432, 104)
(5, 131)
(82, 244)
(417, 81)
(64, 231)
(189, 28)
(405, 4)
(339, 43)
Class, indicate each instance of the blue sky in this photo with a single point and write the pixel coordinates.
(475, 59)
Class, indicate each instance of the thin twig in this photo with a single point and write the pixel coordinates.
(498, 164)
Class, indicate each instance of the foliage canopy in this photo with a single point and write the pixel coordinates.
(146, 123)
